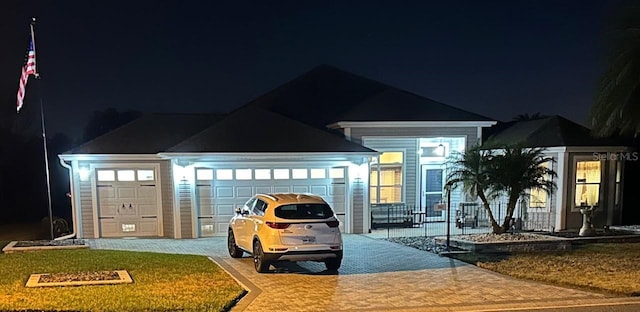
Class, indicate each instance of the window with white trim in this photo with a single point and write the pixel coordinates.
(224, 174)
(106, 175)
(243, 174)
(263, 174)
(587, 183)
(538, 199)
(299, 174)
(281, 174)
(386, 178)
(204, 174)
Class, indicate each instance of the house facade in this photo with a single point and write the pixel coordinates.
(589, 173)
(354, 141)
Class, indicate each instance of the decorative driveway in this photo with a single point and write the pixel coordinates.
(376, 275)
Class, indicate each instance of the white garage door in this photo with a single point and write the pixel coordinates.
(221, 190)
(127, 202)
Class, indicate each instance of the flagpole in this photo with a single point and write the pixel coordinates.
(44, 135)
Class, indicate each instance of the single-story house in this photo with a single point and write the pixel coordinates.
(590, 173)
(354, 141)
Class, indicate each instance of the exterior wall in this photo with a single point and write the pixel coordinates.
(605, 210)
(186, 217)
(167, 199)
(471, 133)
(357, 207)
(410, 173)
(86, 206)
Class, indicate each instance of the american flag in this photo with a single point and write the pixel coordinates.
(28, 69)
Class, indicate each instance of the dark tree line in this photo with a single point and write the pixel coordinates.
(23, 187)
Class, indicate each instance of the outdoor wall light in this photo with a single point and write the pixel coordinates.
(84, 173)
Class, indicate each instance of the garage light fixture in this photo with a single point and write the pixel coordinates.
(84, 173)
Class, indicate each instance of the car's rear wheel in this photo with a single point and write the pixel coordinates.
(333, 263)
(259, 262)
(234, 250)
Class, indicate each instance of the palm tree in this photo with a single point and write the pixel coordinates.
(617, 105)
(513, 172)
(471, 171)
(526, 116)
(518, 170)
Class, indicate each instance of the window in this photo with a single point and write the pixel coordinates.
(299, 173)
(224, 174)
(145, 175)
(318, 173)
(537, 197)
(126, 175)
(618, 182)
(281, 174)
(106, 175)
(243, 174)
(259, 208)
(386, 178)
(263, 174)
(204, 174)
(336, 173)
(304, 211)
(587, 183)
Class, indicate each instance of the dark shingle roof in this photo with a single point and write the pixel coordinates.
(326, 95)
(149, 134)
(254, 130)
(547, 132)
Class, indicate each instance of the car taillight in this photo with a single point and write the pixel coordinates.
(333, 223)
(276, 225)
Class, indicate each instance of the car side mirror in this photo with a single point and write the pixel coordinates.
(238, 210)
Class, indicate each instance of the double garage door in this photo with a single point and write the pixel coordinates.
(127, 202)
(219, 191)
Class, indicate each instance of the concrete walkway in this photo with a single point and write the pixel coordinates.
(376, 275)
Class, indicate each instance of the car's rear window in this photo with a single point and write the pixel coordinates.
(304, 211)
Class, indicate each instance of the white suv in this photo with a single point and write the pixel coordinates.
(286, 227)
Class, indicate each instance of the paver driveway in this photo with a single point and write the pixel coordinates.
(376, 275)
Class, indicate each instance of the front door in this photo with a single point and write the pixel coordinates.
(432, 190)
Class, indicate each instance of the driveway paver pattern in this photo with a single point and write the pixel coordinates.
(376, 275)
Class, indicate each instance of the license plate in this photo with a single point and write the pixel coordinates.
(308, 240)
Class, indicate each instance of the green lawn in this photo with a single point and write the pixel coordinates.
(613, 268)
(162, 282)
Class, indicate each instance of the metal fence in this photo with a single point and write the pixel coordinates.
(400, 220)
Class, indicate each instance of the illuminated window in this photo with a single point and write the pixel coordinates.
(299, 173)
(280, 174)
(336, 173)
(243, 174)
(126, 175)
(263, 174)
(537, 197)
(106, 175)
(224, 174)
(204, 174)
(318, 173)
(587, 183)
(386, 178)
(145, 175)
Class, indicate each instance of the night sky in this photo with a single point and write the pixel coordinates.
(496, 58)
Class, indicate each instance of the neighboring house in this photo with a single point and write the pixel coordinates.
(352, 140)
(590, 173)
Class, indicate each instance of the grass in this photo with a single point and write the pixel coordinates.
(611, 268)
(162, 282)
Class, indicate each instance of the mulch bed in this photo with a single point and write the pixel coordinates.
(79, 277)
(38, 243)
